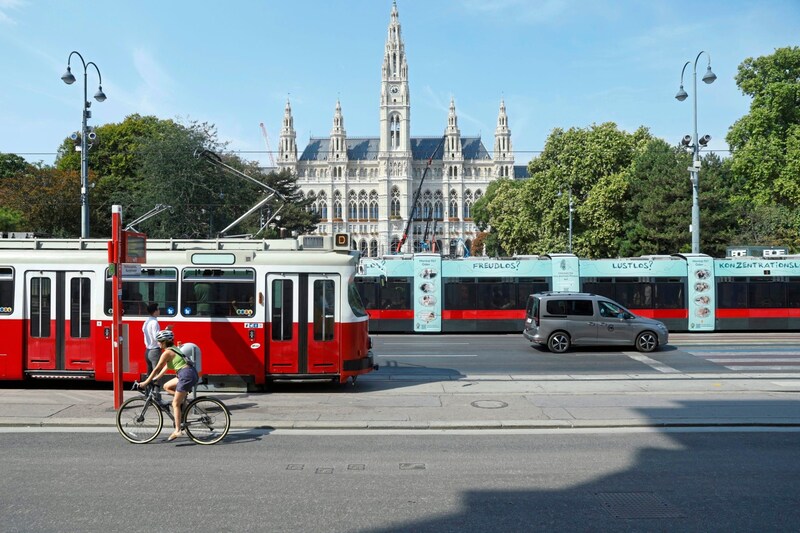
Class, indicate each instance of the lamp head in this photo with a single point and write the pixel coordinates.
(68, 78)
(709, 76)
(704, 140)
(100, 96)
(682, 95)
(686, 141)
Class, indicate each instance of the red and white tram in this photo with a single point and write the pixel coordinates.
(260, 310)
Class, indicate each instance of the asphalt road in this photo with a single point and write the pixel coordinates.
(512, 354)
(460, 482)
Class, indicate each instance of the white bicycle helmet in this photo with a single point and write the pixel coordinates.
(164, 335)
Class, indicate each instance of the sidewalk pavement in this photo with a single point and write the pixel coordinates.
(396, 401)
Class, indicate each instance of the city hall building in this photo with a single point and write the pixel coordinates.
(365, 185)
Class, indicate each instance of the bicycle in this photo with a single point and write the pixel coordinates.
(205, 419)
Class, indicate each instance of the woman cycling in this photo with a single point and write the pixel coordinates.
(179, 386)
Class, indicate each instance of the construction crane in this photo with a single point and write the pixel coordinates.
(266, 142)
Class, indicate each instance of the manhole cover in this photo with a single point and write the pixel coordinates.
(489, 404)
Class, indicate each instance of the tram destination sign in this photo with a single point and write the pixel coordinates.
(134, 247)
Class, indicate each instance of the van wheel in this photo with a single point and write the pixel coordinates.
(646, 341)
(558, 342)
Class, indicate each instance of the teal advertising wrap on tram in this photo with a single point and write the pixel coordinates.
(427, 293)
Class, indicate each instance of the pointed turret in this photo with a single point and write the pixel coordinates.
(452, 145)
(338, 145)
(287, 149)
(503, 153)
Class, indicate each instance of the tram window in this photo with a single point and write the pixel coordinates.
(669, 295)
(355, 300)
(6, 291)
(793, 294)
(324, 305)
(496, 295)
(460, 294)
(282, 311)
(218, 292)
(396, 294)
(634, 294)
(526, 287)
(601, 288)
(158, 285)
(766, 295)
(41, 296)
(368, 289)
(80, 291)
(732, 294)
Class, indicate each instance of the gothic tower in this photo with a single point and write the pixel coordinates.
(395, 98)
(287, 149)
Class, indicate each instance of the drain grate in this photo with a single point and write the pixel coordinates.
(412, 466)
(637, 505)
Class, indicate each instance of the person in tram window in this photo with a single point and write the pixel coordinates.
(172, 358)
(201, 293)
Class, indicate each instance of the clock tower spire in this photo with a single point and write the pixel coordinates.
(395, 98)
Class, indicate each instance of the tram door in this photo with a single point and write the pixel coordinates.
(57, 329)
(302, 332)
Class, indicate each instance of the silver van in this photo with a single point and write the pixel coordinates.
(563, 319)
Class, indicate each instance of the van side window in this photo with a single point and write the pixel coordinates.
(608, 310)
(570, 307)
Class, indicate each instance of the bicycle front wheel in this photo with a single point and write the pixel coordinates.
(139, 421)
(206, 420)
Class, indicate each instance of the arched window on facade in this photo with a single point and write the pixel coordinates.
(337, 205)
(362, 205)
(362, 247)
(452, 211)
(394, 132)
(468, 204)
(438, 206)
(322, 205)
(373, 248)
(373, 205)
(395, 243)
(427, 205)
(394, 206)
(352, 206)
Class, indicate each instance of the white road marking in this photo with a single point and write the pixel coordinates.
(389, 356)
(652, 363)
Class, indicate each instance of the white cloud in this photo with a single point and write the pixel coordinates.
(157, 85)
(9, 5)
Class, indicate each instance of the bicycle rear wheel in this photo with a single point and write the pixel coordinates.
(206, 420)
(139, 421)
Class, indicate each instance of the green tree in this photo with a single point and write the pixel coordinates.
(586, 164)
(765, 143)
(44, 200)
(11, 164)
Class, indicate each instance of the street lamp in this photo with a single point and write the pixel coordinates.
(695, 144)
(100, 96)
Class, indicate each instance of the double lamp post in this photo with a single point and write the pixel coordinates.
(695, 144)
(100, 96)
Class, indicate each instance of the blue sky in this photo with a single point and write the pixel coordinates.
(557, 63)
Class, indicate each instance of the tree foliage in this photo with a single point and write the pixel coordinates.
(765, 143)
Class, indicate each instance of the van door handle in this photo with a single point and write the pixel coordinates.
(592, 323)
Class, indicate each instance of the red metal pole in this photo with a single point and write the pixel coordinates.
(116, 288)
